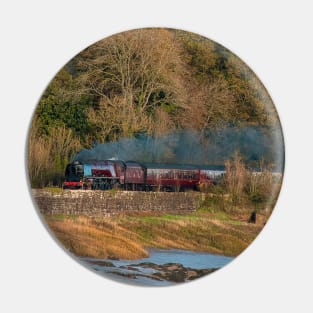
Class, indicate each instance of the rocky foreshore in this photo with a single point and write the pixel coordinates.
(171, 272)
(175, 272)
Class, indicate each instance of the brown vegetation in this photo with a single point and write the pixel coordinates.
(48, 156)
(236, 176)
(146, 81)
(127, 237)
(250, 187)
(81, 236)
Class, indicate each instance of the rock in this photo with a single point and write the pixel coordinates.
(102, 263)
(128, 275)
(197, 273)
(130, 268)
(173, 272)
(146, 265)
(176, 276)
(113, 258)
(191, 274)
(172, 266)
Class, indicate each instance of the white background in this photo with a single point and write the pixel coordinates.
(274, 38)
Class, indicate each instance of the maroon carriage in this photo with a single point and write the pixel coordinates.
(135, 176)
(172, 177)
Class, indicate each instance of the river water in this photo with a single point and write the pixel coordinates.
(140, 271)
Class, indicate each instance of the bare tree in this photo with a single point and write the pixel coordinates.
(210, 106)
(131, 73)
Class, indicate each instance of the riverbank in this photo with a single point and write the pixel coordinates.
(130, 236)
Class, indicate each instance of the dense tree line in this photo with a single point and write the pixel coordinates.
(148, 81)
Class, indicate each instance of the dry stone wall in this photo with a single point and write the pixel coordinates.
(106, 203)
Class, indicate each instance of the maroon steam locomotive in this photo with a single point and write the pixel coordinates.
(133, 175)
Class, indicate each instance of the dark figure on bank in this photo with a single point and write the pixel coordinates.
(252, 218)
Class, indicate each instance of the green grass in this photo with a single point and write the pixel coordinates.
(54, 189)
(159, 219)
(59, 217)
(63, 217)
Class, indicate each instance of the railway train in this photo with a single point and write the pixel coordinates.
(132, 175)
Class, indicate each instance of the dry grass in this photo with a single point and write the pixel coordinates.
(83, 238)
(126, 237)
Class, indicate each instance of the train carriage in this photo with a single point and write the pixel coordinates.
(211, 173)
(173, 177)
(135, 176)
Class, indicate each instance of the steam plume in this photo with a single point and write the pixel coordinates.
(191, 147)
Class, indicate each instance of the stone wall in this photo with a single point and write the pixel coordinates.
(111, 202)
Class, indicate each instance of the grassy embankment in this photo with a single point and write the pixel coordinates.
(210, 229)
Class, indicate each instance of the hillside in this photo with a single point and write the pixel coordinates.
(166, 88)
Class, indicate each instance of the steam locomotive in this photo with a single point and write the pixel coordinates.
(132, 175)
